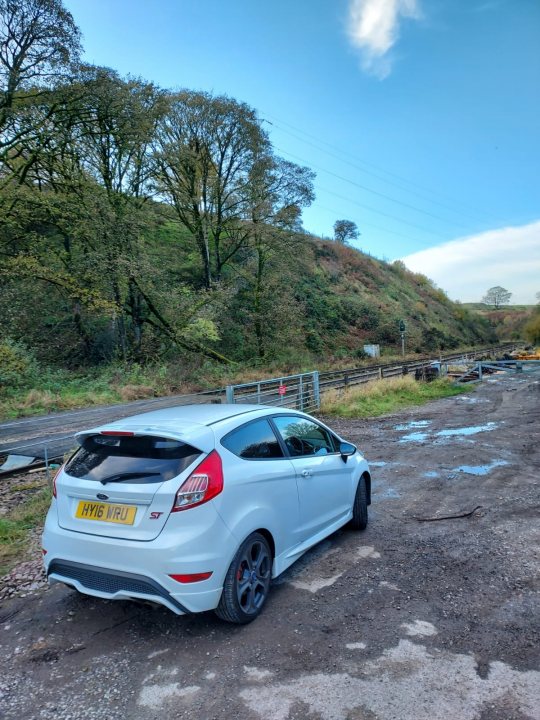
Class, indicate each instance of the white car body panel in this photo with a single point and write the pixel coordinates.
(273, 495)
(325, 488)
(273, 499)
(183, 550)
(187, 432)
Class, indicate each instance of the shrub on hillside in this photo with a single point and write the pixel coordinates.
(532, 329)
(17, 364)
(359, 314)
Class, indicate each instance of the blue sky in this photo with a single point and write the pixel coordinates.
(420, 117)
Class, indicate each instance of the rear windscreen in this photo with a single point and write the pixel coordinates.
(145, 459)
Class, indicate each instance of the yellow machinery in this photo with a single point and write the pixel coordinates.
(528, 355)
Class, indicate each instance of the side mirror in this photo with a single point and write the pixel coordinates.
(346, 449)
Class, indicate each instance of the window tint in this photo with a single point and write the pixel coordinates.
(150, 459)
(253, 441)
(303, 437)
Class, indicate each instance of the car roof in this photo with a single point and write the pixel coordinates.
(189, 423)
(192, 424)
(200, 414)
(185, 416)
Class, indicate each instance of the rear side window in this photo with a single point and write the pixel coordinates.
(145, 459)
(254, 441)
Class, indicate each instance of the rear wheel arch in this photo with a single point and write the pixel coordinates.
(269, 538)
(267, 535)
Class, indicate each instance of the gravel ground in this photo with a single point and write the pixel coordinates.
(27, 576)
(17, 489)
(418, 617)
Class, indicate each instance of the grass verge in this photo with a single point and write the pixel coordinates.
(17, 527)
(385, 396)
(61, 391)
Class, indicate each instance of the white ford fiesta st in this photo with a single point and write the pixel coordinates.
(199, 507)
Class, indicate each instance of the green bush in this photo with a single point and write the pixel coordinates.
(18, 367)
(532, 328)
(358, 313)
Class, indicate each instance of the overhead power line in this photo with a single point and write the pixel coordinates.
(384, 214)
(369, 190)
(337, 213)
(402, 185)
(457, 205)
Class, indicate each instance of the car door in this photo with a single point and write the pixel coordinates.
(325, 482)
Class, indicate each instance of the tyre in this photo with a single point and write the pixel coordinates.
(360, 509)
(247, 581)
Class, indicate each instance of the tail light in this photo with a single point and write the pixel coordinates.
(56, 474)
(204, 483)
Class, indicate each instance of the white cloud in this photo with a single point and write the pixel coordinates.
(469, 266)
(373, 29)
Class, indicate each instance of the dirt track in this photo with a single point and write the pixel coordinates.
(408, 620)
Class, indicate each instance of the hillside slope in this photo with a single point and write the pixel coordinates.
(305, 301)
(337, 299)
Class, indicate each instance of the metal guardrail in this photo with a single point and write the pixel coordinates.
(291, 391)
(266, 391)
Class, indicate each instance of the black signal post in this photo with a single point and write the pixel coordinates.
(402, 329)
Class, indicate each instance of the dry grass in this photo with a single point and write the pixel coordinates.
(44, 401)
(41, 398)
(128, 393)
(384, 396)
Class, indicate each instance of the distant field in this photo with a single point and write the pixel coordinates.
(482, 307)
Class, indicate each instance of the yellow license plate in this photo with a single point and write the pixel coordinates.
(106, 512)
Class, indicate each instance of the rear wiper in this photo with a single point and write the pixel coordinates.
(120, 477)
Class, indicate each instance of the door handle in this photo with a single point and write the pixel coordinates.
(306, 473)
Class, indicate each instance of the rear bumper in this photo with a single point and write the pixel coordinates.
(120, 569)
(111, 584)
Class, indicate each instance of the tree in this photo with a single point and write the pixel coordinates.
(39, 43)
(77, 219)
(497, 296)
(275, 195)
(96, 154)
(345, 230)
(204, 152)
